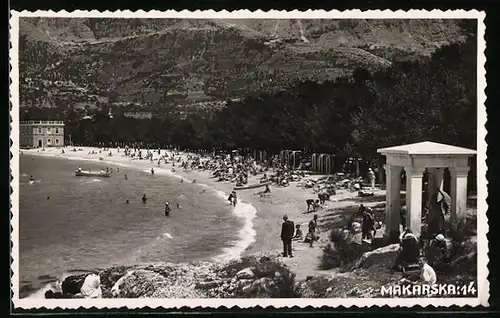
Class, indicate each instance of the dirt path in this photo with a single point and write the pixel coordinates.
(306, 260)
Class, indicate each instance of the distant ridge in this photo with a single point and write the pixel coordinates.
(159, 63)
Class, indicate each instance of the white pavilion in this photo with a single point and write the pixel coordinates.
(415, 159)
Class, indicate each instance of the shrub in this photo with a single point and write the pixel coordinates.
(283, 278)
(111, 275)
(342, 254)
(272, 278)
(235, 266)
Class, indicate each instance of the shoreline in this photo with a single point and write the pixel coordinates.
(262, 217)
(244, 211)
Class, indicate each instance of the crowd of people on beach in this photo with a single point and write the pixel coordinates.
(233, 168)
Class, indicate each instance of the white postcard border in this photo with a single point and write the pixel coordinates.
(482, 230)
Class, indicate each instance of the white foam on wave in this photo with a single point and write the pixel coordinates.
(163, 171)
(244, 211)
(247, 233)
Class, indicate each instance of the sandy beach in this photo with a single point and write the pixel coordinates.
(260, 234)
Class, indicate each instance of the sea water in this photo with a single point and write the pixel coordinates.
(69, 224)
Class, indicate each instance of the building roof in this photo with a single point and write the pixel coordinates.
(427, 148)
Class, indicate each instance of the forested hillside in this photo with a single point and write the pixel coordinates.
(216, 84)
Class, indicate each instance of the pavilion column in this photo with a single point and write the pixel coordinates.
(414, 177)
(392, 202)
(458, 195)
(435, 181)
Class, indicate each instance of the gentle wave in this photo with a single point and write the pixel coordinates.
(244, 211)
(56, 285)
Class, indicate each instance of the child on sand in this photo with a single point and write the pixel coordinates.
(313, 227)
(298, 233)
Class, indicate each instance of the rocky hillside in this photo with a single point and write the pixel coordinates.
(159, 63)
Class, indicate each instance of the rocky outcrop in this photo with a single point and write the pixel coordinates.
(73, 284)
(247, 278)
(384, 255)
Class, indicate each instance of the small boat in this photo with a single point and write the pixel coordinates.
(253, 186)
(82, 173)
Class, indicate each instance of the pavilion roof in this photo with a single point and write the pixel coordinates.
(427, 148)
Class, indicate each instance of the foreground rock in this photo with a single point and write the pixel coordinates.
(249, 278)
(385, 255)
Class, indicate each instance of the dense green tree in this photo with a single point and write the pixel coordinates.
(411, 101)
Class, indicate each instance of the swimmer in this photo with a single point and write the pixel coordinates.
(127, 202)
(126, 178)
(203, 191)
(144, 199)
(194, 181)
(152, 171)
(32, 178)
(48, 198)
(167, 209)
(117, 169)
(179, 206)
(182, 180)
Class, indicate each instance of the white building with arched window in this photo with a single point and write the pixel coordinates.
(41, 133)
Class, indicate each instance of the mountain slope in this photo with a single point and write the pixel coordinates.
(159, 63)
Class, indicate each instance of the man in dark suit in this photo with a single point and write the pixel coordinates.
(287, 231)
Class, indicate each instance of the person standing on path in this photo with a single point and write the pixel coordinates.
(313, 227)
(371, 178)
(287, 231)
(402, 216)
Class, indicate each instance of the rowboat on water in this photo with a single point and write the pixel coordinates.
(253, 186)
(82, 173)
